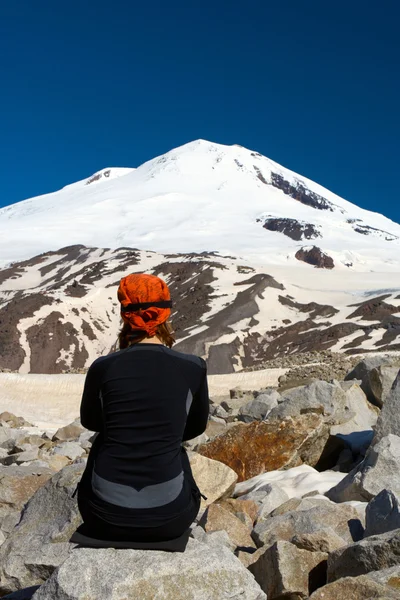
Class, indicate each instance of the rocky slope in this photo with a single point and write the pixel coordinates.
(59, 311)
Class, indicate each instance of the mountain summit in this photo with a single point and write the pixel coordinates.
(204, 197)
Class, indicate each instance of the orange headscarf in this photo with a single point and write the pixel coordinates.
(138, 289)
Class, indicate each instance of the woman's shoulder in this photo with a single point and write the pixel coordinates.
(183, 356)
(104, 360)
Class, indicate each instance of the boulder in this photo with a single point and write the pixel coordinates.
(18, 484)
(321, 397)
(389, 417)
(213, 538)
(362, 372)
(253, 448)
(71, 450)
(274, 497)
(364, 413)
(381, 381)
(379, 470)
(311, 515)
(382, 513)
(201, 572)
(283, 570)
(384, 586)
(39, 543)
(214, 479)
(69, 432)
(371, 554)
(14, 421)
(218, 518)
(240, 506)
(259, 408)
(18, 458)
(325, 540)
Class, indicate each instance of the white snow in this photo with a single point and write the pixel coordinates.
(296, 482)
(199, 197)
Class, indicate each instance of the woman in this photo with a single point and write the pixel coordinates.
(144, 401)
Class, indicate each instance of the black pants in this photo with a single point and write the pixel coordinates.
(98, 523)
(95, 526)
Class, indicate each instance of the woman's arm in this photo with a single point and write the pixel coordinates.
(197, 418)
(91, 405)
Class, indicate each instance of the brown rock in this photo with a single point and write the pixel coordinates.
(68, 433)
(254, 448)
(355, 588)
(18, 484)
(249, 557)
(214, 479)
(13, 421)
(285, 571)
(314, 256)
(325, 540)
(213, 429)
(236, 506)
(217, 518)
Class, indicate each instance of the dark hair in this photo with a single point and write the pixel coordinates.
(127, 336)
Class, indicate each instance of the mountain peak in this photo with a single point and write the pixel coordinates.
(205, 196)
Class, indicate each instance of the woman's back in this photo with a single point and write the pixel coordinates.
(141, 399)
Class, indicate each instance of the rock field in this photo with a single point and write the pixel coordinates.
(303, 500)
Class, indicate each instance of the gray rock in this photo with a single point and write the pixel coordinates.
(39, 543)
(219, 538)
(381, 381)
(86, 439)
(371, 554)
(28, 455)
(364, 415)
(71, 450)
(274, 497)
(11, 519)
(201, 572)
(362, 371)
(307, 519)
(389, 417)
(321, 397)
(379, 470)
(382, 514)
(284, 570)
(259, 408)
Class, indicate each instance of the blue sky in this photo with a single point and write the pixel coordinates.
(314, 85)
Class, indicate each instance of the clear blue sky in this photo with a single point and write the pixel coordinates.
(313, 84)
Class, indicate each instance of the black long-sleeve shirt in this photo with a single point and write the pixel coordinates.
(144, 400)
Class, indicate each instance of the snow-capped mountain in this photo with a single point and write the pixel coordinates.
(206, 197)
(237, 238)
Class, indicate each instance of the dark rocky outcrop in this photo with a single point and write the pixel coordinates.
(315, 257)
(295, 230)
(374, 309)
(301, 193)
(313, 308)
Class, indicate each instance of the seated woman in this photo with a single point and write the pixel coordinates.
(144, 401)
